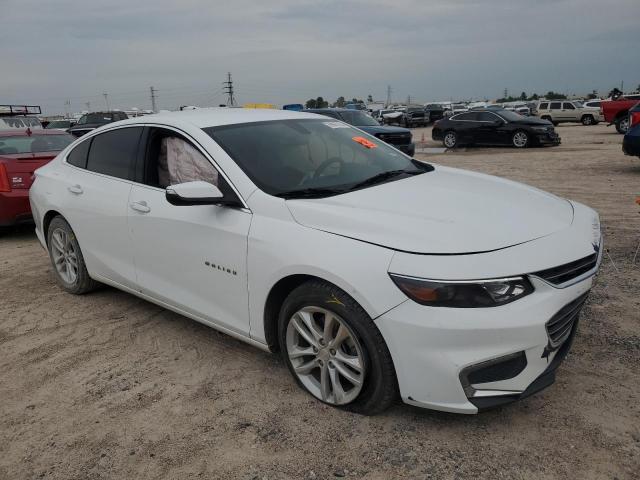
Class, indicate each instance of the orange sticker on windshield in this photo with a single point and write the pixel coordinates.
(364, 142)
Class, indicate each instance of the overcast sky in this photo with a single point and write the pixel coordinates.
(286, 51)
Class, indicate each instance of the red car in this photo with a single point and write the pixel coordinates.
(21, 153)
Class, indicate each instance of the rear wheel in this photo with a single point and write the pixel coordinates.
(622, 125)
(334, 350)
(66, 258)
(450, 139)
(520, 139)
(588, 120)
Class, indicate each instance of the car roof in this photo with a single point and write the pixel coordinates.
(19, 132)
(213, 117)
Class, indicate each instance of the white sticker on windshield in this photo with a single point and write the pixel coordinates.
(336, 124)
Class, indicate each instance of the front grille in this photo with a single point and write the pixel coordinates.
(560, 325)
(568, 271)
(395, 139)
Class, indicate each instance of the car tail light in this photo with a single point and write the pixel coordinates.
(634, 119)
(5, 186)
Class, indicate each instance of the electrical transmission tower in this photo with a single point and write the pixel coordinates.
(153, 100)
(228, 89)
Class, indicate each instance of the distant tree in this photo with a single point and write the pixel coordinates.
(369, 98)
(311, 103)
(592, 95)
(551, 95)
(534, 97)
(339, 102)
(321, 103)
(523, 96)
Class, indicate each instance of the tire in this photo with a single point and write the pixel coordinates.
(65, 254)
(622, 125)
(520, 139)
(450, 139)
(588, 120)
(307, 309)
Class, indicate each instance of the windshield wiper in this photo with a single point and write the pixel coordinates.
(310, 193)
(382, 176)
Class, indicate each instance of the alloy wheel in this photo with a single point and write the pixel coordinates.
(520, 139)
(450, 140)
(65, 257)
(325, 355)
(624, 124)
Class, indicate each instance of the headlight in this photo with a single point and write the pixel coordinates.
(463, 294)
(540, 129)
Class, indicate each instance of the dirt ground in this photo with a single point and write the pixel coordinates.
(110, 386)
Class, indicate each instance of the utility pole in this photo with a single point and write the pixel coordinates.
(506, 93)
(67, 104)
(88, 105)
(408, 100)
(228, 89)
(106, 100)
(388, 95)
(153, 99)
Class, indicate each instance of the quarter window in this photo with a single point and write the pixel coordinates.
(487, 117)
(114, 153)
(78, 156)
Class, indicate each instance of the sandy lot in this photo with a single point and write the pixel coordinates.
(109, 386)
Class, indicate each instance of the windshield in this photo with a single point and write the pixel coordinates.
(509, 116)
(359, 119)
(22, 122)
(34, 143)
(59, 124)
(310, 156)
(95, 118)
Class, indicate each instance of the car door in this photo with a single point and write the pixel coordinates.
(467, 127)
(555, 110)
(193, 257)
(492, 128)
(98, 182)
(569, 112)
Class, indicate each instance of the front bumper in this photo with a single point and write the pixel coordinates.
(409, 149)
(431, 347)
(14, 207)
(631, 142)
(548, 139)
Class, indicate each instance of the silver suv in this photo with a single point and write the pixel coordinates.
(559, 111)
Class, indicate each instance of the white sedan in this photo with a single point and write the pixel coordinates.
(374, 274)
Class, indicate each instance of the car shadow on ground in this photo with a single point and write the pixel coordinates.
(18, 232)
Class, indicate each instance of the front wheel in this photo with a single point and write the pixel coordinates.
(520, 139)
(335, 351)
(450, 139)
(587, 120)
(622, 125)
(66, 258)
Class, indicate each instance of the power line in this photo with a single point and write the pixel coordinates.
(228, 89)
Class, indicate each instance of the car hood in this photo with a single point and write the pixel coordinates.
(446, 211)
(374, 130)
(534, 121)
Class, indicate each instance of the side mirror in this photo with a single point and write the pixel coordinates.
(196, 193)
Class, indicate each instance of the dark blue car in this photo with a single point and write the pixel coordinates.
(399, 138)
(631, 141)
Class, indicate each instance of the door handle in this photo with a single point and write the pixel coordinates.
(141, 207)
(77, 189)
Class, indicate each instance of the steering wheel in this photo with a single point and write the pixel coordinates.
(323, 166)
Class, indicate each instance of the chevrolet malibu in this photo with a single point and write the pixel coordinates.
(375, 275)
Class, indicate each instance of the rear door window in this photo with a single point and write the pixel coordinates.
(543, 106)
(568, 106)
(555, 105)
(114, 153)
(465, 117)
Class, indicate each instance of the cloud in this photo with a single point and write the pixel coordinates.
(284, 51)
